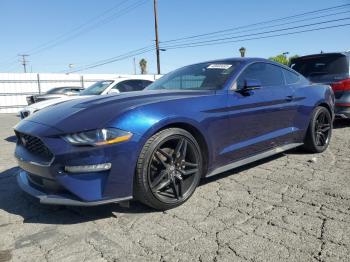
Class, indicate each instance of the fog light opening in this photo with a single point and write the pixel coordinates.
(88, 168)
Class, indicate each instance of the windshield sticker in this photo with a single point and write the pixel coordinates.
(219, 66)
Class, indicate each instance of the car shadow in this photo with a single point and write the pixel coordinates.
(12, 139)
(341, 123)
(14, 201)
(238, 170)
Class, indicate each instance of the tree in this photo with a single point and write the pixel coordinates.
(283, 59)
(143, 66)
(292, 57)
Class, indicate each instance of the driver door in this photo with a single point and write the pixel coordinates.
(262, 118)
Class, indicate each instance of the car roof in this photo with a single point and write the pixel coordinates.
(62, 87)
(248, 60)
(136, 77)
(245, 60)
(347, 53)
(238, 59)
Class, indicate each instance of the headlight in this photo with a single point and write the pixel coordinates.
(98, 137)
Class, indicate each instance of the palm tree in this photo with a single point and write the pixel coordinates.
(143, 66)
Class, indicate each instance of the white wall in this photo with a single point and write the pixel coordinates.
(15, 87)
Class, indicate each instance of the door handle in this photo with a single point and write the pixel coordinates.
(289, 98)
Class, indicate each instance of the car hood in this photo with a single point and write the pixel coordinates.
(51, 96)
(96, 112)
(50, 102)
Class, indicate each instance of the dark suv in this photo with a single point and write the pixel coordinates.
(332, 69)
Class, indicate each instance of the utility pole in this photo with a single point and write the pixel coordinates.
(134, 65)
(155, 5)
(24, 62)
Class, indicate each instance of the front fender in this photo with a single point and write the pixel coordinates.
(146, 123)
(173, 120)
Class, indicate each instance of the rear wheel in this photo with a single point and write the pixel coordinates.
(319, 132)
(169, 169)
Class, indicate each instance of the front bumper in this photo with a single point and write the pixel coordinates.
(56, 186)
(59, 199)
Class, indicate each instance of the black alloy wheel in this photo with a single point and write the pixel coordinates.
(169, 169)
(322, 129)
(319, 132)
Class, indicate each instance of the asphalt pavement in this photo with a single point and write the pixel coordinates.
(290, 207)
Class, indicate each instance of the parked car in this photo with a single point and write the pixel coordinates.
(121, 84)
(332, 69)
(155, 146)
(54, 93)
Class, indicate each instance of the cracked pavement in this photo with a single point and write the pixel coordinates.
(291, 207)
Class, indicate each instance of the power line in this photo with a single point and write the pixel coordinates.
(208, 35)
(53, 42)
(264, 27)
(95, 22)
(220, 43)
(114, 59)
(91, 24)
(9, 61)
(12, 67)
(75, 33)
(61, 36)
(263, 37)
(260, 33)
(259, 23)
(215, 42)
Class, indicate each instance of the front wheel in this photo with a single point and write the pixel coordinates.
(168, 169)
(319, 132)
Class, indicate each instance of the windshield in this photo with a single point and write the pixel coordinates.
(322, 68)
(204, 76)
(96, 89)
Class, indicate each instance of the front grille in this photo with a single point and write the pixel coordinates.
(47, 185)
(34, 145)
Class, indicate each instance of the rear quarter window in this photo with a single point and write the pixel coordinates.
(291, 78)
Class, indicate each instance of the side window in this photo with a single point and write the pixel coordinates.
(267, 74)
(67, 91)
(129, 86)
(291, 78)
(146, 83)
(73, 90)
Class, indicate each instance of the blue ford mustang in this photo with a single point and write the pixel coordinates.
(155, 145)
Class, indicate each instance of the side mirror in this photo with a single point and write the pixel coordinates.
(251, 84)
(113, 91)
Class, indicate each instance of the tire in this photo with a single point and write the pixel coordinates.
(319, 133)
(168, 171)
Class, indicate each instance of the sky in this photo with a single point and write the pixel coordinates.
(92, 30)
